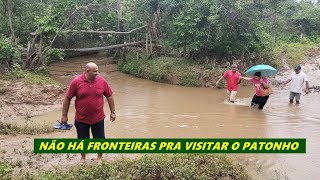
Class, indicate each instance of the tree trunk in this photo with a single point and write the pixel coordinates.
(154, 25)
(150, 39)
(119, 26)
(41, 58)
(119, 16)
(9, 14)
(154, 20)
(104, 32)
(147, 43)
(106, 48)
(30, 51)
(38, 58)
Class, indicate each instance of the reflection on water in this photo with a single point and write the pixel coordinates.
(154, 110)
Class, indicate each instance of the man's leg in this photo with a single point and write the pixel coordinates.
(291, 96)
(298, 95)
(98, 132)
(233, 95)
(229, 94)
(83, 133)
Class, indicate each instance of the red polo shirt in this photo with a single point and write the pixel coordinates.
(232, 80)
(89, 98)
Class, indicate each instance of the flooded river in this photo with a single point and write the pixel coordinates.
(147, 109)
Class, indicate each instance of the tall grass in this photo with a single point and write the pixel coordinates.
(28, 77)
(5, 170)
(26, 128)
(295, 52)
(155, 167)
(169, 70)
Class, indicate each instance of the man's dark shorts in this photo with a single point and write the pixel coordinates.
(96, 129)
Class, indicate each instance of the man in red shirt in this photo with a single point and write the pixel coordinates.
(233, 79)
(89, 89)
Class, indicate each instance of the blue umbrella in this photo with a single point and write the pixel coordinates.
(265, 70)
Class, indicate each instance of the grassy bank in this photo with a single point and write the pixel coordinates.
(154, 167)
(295, 52)
(27, 77)
(171, 70)
(185, 72)
(5, 170)
(26, 128)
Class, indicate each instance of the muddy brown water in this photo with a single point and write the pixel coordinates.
(147, 109)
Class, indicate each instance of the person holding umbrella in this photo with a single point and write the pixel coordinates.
(260, 82)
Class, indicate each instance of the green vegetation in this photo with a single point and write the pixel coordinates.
(254, 32)
(26, 76)
(295, 53)
(3, 89)
(190, 29)
(170, 70)
(26, 128)
(233, 28)
(155, 167)
(8, 53)
(5, 170)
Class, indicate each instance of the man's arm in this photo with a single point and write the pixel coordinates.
(66, 102)
(307, 83)
(239, 80)
(245, 78)
(112, 108)
(219, 80)
(307, 87)
(65, 109)
(286, 82)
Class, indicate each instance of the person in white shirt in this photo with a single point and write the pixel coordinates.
(297, 78)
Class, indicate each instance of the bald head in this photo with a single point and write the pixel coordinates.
(91, 65)
(91, 71)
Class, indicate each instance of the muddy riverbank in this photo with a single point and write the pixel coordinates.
(22, 101)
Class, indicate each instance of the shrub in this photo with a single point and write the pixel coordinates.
(8, 53)
(5, 170)
(156, 167)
